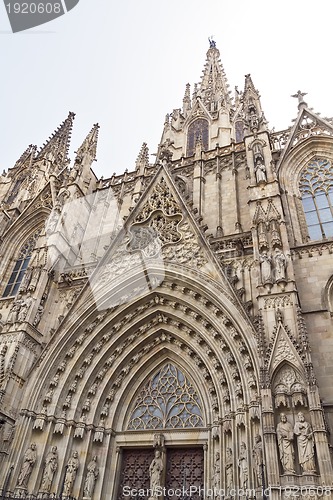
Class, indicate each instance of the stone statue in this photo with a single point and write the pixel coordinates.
(92, 475)
(229, 469)
(280, 265)
(13, 314)
(305, 444)
(217, 472)
(50, 467)
(285, 437)
(29, 461)
(155, 473)
(266, 267)
(71, 470)
(260, 170)
(243, 466)
(24, 307)
(258, 459)
(38, 316)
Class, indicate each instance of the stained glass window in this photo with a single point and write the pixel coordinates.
(21, 266)
(316, 186)
(197, 130)
(168, 400)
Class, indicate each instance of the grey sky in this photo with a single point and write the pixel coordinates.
(125, 65)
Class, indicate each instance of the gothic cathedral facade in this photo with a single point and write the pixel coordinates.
(171, 327)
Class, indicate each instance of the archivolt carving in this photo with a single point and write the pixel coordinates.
(126, 346)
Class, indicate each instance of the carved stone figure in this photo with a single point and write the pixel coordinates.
(305, 444)
(13, 314)
(243, 466)
(258, 459)
(280, 265)
(24, 307)
(71, 471)
(29, 461)
(285, 437)
(92, 475)
(260, 170)
(155, 473)
(50, 467)
(159, 440)
(266, 267)
(217, 472)
(229, 469)
(38, 316)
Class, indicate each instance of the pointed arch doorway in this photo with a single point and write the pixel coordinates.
(166, 412)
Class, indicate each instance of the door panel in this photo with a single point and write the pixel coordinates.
(135, 471)
(185, 468)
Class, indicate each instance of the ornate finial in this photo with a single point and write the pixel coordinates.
(300, 96)
(212, 43)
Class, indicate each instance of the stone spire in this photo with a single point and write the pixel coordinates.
(27, 157)
(187, 101)
(85, 156)
(142, 160)
(214, 87)
(253, 115)
(56, 148)
(89, 145)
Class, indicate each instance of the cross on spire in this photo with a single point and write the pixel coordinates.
(299, 94)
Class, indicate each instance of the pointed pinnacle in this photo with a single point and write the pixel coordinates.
(142, 160)
(89, 145)
(28, 153)
(59, 141)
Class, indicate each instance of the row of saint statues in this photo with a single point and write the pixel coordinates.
(286, 435)
(50, 467)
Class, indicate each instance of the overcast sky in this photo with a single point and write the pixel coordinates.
(125, 64)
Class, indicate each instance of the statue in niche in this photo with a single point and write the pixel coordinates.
(91, 477)
(285, 437)
(229, 469)
(71, 471)
(305, 443)
(155, 473)
(50, 467)
(243, 466)
(280, 265)
(260, 170)
(258, 459)
(265, 267)
(29, 461)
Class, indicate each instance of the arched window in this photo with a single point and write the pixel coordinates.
(21, 266)
(239, 129)
(168, 400)
(316, 186)
(197, 129)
